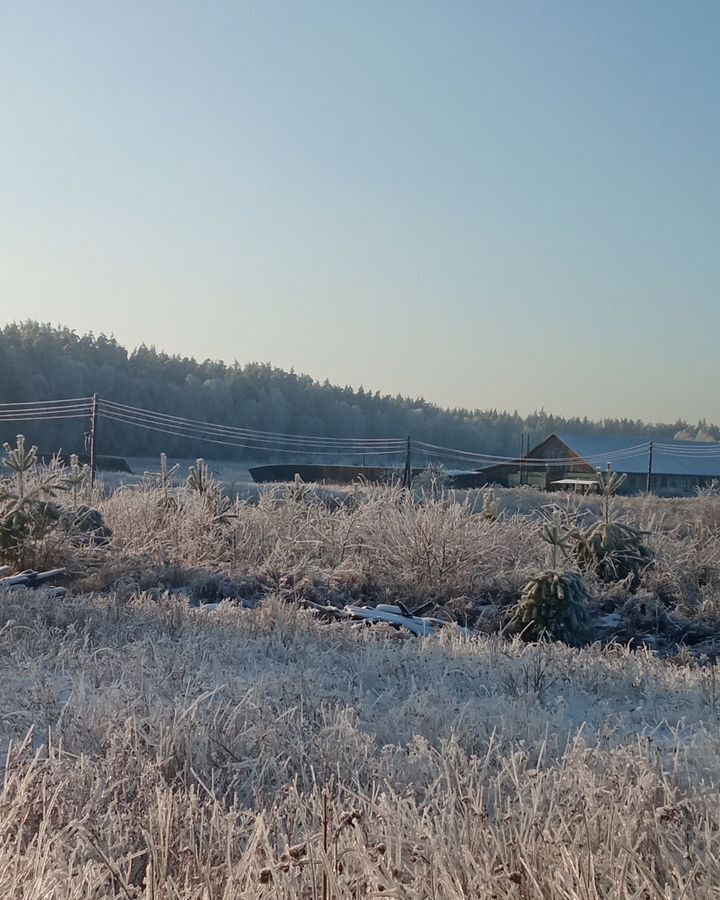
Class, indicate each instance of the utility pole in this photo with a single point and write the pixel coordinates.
(649, 474)
(407, 476)
(93, 439)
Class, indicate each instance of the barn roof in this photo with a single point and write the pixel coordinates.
(682, 458)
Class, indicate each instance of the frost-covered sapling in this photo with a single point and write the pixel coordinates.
(199, 479)
(554, 603)
(164, 478)
(432, 481)
(297, 491)
(76, 478)
(490, 508)
(27, 512)
(613, 551)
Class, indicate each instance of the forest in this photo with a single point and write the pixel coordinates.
(39, 361)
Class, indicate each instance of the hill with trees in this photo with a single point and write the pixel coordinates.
(42, 362)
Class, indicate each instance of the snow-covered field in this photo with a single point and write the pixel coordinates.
(230, 473)
(159, 751)
(179, 725)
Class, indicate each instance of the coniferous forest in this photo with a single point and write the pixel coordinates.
(42, 362)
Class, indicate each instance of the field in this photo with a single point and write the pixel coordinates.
(233, 475)
(180, 725)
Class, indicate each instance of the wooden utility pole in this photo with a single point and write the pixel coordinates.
(93, 439)
(407, 475)
(649, 474)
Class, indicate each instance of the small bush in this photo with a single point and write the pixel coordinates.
(613, 552)
(555, 604)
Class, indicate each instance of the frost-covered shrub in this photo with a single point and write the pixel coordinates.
(28, 512)
(555, 604)
(614, 551)
(432, 481)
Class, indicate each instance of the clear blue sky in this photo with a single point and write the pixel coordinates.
(494, 204)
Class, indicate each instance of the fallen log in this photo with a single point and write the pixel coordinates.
(326, 612)
(30, 578)
(417, 625)
(397, 615)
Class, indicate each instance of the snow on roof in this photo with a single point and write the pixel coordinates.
(701, 459)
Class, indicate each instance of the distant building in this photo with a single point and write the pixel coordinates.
(565, 461)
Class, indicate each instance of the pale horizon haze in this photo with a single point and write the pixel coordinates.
(490, 204)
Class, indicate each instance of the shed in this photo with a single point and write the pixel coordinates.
(673, 467)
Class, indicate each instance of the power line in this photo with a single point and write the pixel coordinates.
(628, 451)
(31, 403)
(269, 441)
(42, 410)
(525, 463)
(44, 417)
(708, 450)
(243, 432)
(199, 437)
(490, 459)
(260, 443)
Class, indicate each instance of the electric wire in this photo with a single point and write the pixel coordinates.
(164, 430)
(712, 450)
(194, 433)
(530, 464)
(42, 413)
(29, 403)
(489, 459)
(43, 418)
(625, 451)
(151, 415)
(545, 460)
(43, 410)
(632, 448)
(244, 431)
(269, 441)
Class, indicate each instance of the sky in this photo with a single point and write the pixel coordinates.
(488, 204)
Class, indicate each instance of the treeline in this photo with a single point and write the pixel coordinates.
(40, 362)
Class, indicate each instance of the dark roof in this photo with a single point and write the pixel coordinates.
(685, 458)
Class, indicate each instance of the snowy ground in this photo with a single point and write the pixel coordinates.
(158, 751)
(230, 473)
(160, 743)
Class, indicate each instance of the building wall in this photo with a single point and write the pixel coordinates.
(672, 485)
(531, 477)
(554, 449)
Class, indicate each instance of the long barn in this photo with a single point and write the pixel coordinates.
(671, 467)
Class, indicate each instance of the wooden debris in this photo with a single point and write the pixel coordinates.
(325, 612)
(30, 578)
(419, 625)
(396, 615)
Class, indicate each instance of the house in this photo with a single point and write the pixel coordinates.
(571, 460)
